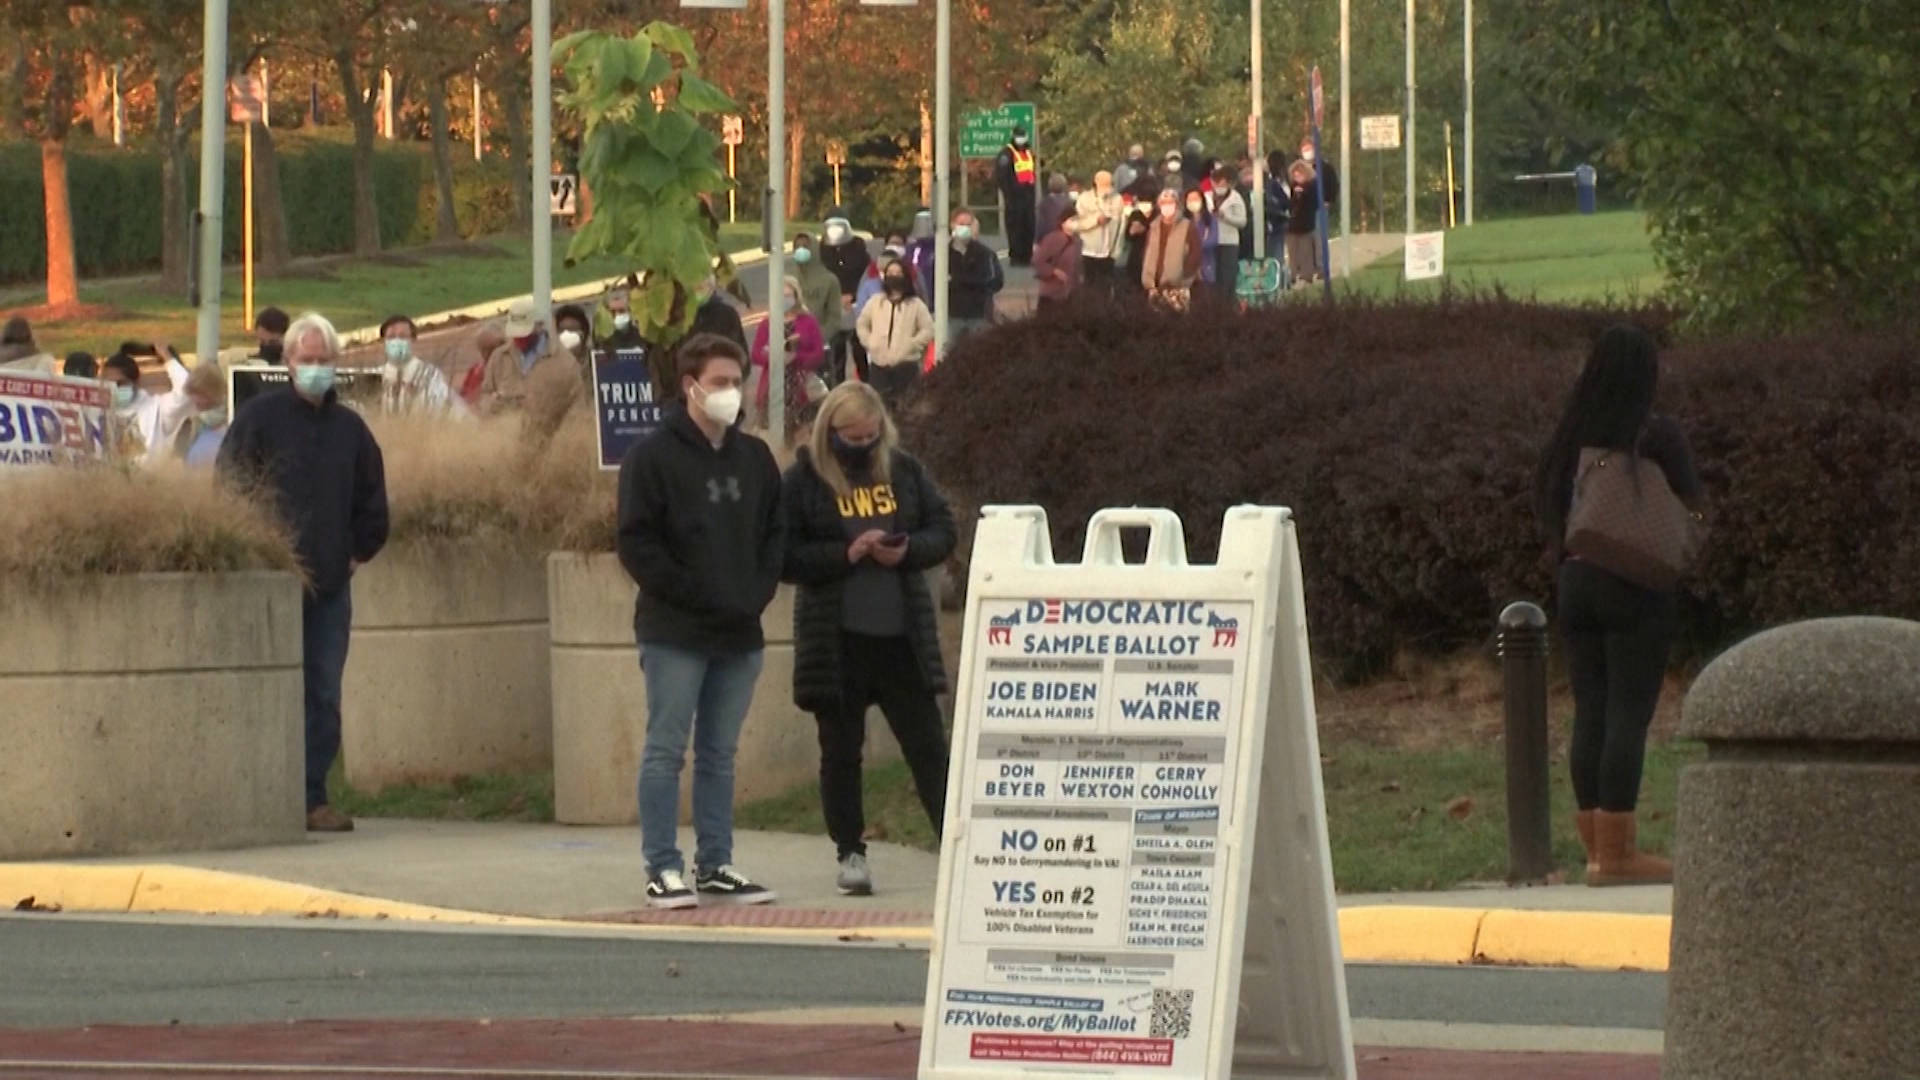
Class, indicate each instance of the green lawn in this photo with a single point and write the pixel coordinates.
(1396, 818)
(1564, 258)
(353, 293)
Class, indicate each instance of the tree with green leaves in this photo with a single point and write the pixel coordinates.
(650, 162)
(1771, 143)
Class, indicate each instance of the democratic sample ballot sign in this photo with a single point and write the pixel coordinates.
(1119, 731)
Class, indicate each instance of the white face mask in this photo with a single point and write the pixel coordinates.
(569, 339)
(1306, 153)
(720, 406)
(622, 320)
(836, 234)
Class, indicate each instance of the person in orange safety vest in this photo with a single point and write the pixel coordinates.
(1017, 173)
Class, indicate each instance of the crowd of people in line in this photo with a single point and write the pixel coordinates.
(708, 528)
(1168, 231)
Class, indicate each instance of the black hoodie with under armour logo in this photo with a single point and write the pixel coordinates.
(700, 532)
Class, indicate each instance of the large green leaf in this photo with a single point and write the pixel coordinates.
(700, 96)
(649, 169)
(670, 132)
(672, 39)
(650, 66)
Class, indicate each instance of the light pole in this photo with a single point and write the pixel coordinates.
(1469, 141)
(542, 15)
(1346, 140)
(1253, 141)
(942, 164)
(213, 131)
(1411, 116)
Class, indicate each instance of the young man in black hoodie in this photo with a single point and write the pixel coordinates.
(700, 533)
(315, 461)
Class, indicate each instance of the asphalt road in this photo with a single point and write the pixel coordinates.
(60, 972)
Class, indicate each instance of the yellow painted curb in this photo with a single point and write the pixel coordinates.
(1390, 934)
(1382, 934)
(167, 889)
(1577, 939)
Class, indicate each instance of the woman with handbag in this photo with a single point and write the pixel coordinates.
(864, 525)
(1618, 497)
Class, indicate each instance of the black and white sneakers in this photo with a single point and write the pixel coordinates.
(727, 885)
(668, 890)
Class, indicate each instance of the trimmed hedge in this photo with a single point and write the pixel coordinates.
(116, 200)
(1404, 437)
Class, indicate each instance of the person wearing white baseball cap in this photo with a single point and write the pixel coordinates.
(526, 361)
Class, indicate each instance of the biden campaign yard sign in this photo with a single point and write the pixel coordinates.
(53, 420)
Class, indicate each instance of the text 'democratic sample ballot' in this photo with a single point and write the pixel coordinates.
(1107, 753)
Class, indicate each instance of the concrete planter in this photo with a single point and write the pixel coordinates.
(600, 702)
(151, 712)
(447, 672)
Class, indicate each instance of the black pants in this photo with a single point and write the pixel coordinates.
(1618, 637)
(326, 626)
(1098, 275)
(846, 344)
(892, 380)
(883, 672)
(1020, 212)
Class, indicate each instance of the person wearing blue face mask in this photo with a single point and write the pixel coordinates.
(864, 525)
(819, 288)
(148, 422)
(409, 384)
(319, 467)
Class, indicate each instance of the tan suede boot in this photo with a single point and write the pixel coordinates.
(1616, 844)
(1583, 823)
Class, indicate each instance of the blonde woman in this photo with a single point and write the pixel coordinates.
(864, 525)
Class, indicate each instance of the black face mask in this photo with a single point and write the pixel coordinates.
(851, 456)
(271, 352)
(896, 285)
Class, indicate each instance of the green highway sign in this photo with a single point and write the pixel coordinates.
(985, 132)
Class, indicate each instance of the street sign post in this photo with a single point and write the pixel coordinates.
(836, 157)
(1380, 132)
(1135, 849)
(984, 132)
(563, 191)
(1426, 255)
(733, 132)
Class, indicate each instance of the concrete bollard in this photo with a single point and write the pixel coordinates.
(1796, 940)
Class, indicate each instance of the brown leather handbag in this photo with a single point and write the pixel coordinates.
(1626, 519)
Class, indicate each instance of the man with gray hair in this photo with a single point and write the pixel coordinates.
(318, 465)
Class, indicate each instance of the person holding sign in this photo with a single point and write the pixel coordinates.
(149, 422)
(700, 533)
(864, 525)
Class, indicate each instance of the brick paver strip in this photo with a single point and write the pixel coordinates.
(664, 1048)
(772, 915)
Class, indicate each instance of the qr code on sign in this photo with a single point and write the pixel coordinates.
(1172, 1014)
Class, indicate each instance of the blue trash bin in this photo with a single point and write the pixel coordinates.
(1584, 179)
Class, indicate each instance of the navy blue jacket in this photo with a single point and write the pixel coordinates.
(322, 470)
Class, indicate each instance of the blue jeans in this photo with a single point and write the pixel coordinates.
(705, 698)
(326, 625)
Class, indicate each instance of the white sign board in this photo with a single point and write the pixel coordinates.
(54, 420)
(1380, 132)
(1120, 730)
(562, 194)
(1426, 255)
(733, 130)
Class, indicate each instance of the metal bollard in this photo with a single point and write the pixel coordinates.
(1522, 647)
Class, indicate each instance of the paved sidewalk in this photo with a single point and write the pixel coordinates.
(624, 1048)
(571, 872)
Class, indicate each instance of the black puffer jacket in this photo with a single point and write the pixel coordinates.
(817, 562)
